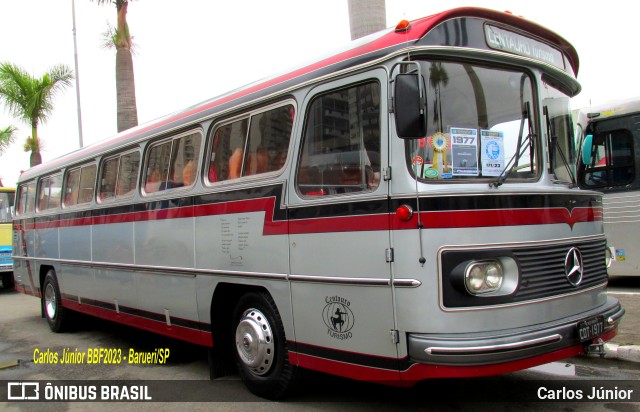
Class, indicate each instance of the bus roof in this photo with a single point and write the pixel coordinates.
(612, 109)
(358, 52)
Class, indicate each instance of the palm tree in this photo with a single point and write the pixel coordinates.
(7, 136)
(30, 99)
(438, 77)
(125, 82)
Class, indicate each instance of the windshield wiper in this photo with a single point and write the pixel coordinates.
(521, 148)
(553, 143)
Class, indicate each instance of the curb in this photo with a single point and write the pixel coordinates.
(630, 353)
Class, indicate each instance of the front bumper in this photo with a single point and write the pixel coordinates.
(509, 345)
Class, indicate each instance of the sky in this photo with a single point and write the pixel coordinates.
(192, 50)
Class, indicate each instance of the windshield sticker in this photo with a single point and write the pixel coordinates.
(464, 151)
(492, 152)
(439, 142)
(431, 173)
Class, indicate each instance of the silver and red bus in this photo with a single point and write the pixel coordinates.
(404, 209)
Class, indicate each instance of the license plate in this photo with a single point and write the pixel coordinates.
(590, 328)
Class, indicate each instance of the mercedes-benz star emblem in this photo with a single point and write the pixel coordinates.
(573, 266)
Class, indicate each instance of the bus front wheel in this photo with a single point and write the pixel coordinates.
(261, 347)
(57, 316)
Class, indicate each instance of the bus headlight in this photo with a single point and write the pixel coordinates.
(483, 277)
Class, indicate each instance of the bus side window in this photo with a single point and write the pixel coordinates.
(108, 178)
(26, 198)
(79, 185)
(172, 163)
(268, 141)
(87, 184)
(49, 192)
(227, 151)
(43, 193)
(251, 145)
(71, 187)
(128, 174)
(341, 147)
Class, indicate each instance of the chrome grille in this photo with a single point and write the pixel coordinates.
(542, 269)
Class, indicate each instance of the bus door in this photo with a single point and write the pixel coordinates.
(339, 229)
(611, 167)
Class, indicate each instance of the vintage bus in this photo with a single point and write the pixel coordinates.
(610, 154)
(7, 196)
(401, 210)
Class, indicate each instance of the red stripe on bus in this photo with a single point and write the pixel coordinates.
(383, 221)
(347, 370)
(22, 289)
(420, 371)
(501, 217)
(198, 337)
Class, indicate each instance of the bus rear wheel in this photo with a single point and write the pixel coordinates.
(261, 347)
(7, 280)
(57, 316)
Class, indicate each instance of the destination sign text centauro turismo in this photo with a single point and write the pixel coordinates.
(511, 42)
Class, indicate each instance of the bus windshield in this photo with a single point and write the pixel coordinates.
(6, 204)
(559, 132)
(478, 117)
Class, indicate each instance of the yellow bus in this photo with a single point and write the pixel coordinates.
(7, 196)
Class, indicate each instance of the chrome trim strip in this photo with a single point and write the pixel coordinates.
(167, 270)
(406, 283)
(616, 316)
(192, 272)
(340, 280)
(443, 248)
(493, 348)
(399, 283)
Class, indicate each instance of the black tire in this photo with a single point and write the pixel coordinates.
(260, 347)
(7, 280)
(57, 316)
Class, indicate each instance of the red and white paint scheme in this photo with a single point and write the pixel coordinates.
(404, 209)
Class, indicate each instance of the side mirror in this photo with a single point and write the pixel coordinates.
(410, 106)
(587, 145)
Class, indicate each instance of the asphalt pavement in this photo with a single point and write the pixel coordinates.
(626, 344)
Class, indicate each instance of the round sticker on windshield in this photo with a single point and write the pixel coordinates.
(431, 173)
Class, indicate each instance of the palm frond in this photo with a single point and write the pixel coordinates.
(15, 88)
(7, 137)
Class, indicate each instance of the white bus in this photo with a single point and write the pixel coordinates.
(390, 213)
(610, 155)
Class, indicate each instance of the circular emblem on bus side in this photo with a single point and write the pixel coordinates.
(574, 266)
(338, 317)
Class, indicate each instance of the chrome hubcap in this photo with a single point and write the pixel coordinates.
(254, 342)
(50, 303)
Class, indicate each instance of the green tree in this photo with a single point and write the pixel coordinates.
(125, 82)
(30, 99)
(7, 136)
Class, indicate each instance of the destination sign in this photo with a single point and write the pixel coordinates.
(515, 43)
